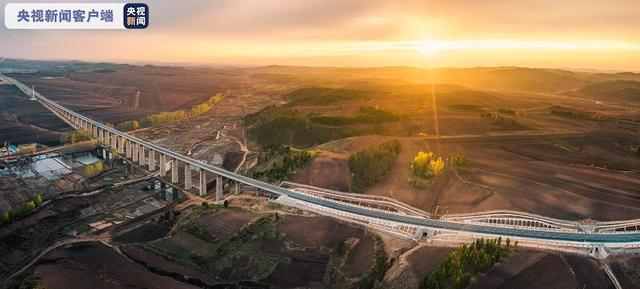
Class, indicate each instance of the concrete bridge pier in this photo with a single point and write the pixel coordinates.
(128, 149)
(174, 171)
(113, 141)
(121, 142)
(203, 182)
(236, 189)
(152, 160)
(219, 187)
(134, 153)
(141, 156)
(163, 165)
(103, 139)
(187, 176)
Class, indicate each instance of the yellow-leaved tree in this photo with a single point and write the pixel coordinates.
(425, 167)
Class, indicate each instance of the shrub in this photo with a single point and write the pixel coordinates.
(38, 200)
(460, 161)
(6, 216)
(369, 166)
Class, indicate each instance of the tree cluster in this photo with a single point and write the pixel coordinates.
(425, 166)
(128, 125)
(369, 166)
(464, 263)
(79, 136)
(280, 170)
(25, 209)
(93, 169)
(287, 129)
(366, 114)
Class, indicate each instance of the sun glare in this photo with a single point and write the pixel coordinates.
(430, 47)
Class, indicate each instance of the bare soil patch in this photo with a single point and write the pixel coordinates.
(524, 269)
(305, 269)
(226, 223)
(161, 264)
(23, 120)
(627, 271)
(317, 230)
(145, 233)
(97, 266)
(426, 259)
(360, 257)
(325, 171)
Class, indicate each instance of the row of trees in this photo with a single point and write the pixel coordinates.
(369, 166)
(465, 262)
(25, 209)
(425, 166)
(169, 116)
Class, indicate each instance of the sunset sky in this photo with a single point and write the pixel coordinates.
(544, 33)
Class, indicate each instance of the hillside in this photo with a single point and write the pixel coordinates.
(613, 90)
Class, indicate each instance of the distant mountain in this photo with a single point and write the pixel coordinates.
(514, 78)
(498, 78)
(612, 90)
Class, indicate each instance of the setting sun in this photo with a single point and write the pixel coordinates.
(430, 47)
